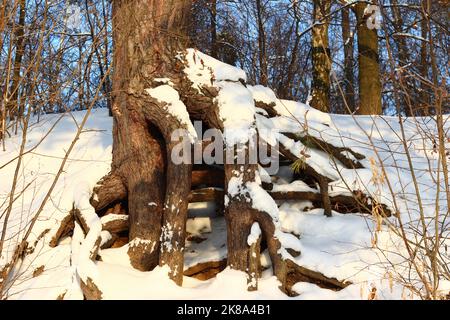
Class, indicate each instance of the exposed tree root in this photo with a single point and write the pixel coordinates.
(115, 224)
(298, 273)
(157, 192)
(109, 190)
(90, 290)
(295, 273)
(65, 229)
(206, 270)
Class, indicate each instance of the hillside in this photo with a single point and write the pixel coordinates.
(352, 246)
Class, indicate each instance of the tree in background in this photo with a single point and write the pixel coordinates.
(321, 57)
(368, 62)
(349, 77)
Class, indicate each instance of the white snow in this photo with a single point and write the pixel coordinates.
(296, 185)
(113, 217)
(255, 234)
(237, 110)
(165, 93)
(340, 246)
(263, 94)
(198, 225)
(204, 70)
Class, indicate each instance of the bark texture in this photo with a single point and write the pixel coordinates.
(147, 35)
(149, 39)
(349, 77)
(369, 64)
(321, 57)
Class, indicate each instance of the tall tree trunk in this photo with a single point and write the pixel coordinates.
(349, 77)
(262, 51)
(321, 57)
(102, 63)
(403, 59)
(2, 85)
(425, 107)
(20, 46)
(147, 35)
(81, 78)
(369, 64)
(285, 86)
(214, 28)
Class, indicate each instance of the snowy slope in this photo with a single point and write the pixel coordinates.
(341, 246)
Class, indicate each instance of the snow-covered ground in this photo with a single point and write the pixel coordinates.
(352, 247)
(339, 247)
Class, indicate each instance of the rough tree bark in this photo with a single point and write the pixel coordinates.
(147, 35)
(403, 61)
(349, 78)
(214, 44)
(321, 57)
(240, 216)
(13, 105)
(425, 105)
(369, 64)
(262, 52)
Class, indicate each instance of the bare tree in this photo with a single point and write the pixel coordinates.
(321, 60)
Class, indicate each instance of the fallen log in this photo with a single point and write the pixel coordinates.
(317, 143)
(337, 152)
(356, 203)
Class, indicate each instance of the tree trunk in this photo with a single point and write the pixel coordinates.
(285, 87)
(147, 35)
(149, 50)
(262, 52)
(425, 105)
(369, 64)
(349, 77)
(20, 46)
(321, 57)
(240, 216)
(214, 29)
(403, 60)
